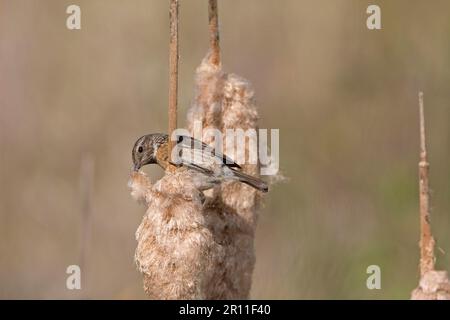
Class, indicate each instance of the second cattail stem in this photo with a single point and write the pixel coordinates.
(173, 72)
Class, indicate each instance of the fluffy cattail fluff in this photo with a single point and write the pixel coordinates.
(433, 285)
(189, 246)
(176, 249)
(226, 101)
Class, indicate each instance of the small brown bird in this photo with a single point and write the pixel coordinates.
(192, 154)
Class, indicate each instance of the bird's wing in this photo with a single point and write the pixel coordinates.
(201, 153)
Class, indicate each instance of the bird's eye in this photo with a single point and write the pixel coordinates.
(140, 149)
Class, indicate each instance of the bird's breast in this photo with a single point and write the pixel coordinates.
(162, 155)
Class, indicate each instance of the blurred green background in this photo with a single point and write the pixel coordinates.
(343, 97)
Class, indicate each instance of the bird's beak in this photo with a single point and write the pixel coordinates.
(137, 167)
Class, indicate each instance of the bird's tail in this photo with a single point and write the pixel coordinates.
(251, 181)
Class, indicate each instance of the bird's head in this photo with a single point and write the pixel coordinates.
(144, 151)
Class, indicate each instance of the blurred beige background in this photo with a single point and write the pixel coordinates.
(343, 97)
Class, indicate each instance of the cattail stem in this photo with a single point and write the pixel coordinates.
(426, 238)
(173, 71)
(213, 16)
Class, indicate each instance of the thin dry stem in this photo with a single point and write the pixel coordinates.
(86, 190)
(213, 16)
(173, 71)
(426, 238)
(433, 284)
